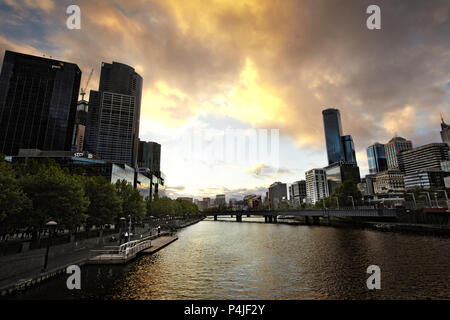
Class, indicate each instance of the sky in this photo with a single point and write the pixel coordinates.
(254, 66)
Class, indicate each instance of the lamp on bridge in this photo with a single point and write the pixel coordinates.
(51, 225)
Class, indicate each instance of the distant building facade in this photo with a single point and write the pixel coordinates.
(277, 194)
(220, 201)
(389, 180)
(316, 185)
(426, 178)
(38, 103)
(297, 192)
(376, 157)
(393, 149)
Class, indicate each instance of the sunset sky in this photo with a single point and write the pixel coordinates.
(243, 64)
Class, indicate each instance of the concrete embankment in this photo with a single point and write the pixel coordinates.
(21, 271)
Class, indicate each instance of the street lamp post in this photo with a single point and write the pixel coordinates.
(353, 202)
(51, 226)
(414, 200)
(435, 199)
(121, 222)
(446, 197)
(337, 201)
(428, 198)
(129, 229)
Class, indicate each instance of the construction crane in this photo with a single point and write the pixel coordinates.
(83, 90)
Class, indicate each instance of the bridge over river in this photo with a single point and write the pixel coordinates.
(272, 215)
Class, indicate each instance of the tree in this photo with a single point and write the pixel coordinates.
(132, 202)
(104, 203)
(188, 208)
(14, 204)
(56, 195)
(345, 192)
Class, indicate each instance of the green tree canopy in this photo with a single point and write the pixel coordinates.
(14, 204)
(105, 205)
(132, 202)
(56, 195)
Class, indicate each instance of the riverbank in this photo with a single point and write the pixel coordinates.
(12, 282)
(400, 227)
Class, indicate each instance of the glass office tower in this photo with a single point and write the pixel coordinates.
(38, 103)
(333, 133)
(349, 149)
(376, 157)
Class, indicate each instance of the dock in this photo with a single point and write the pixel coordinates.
(159, 244)
(130, 250)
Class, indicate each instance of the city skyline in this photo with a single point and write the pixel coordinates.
(209, 85)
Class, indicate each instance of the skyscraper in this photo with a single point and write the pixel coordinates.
(149, 156)
(38, 103)
(277, 194)
(333, 133)
(297, 192)
(316, 185)
(339, 148)
(112, 130)
(376, 157)
(393, 148)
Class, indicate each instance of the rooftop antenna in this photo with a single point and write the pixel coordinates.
(83, 90)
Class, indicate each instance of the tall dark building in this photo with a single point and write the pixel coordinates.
(150, 156)
(376, 157)
(112, 130)
(339, 148)
(38, 103)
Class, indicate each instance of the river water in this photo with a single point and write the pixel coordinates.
(230, 260)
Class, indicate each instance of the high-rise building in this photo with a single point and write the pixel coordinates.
(333, 133)
(376, 157)
(220, 201)
(297, 192)
(277, 194)
(38, 103)
(79, 129)
(316, 185)
(149, 156)
(339, 172)
(393, 148)
(112, 130)
(339, 147)
(424, 157)
(445, 132)
(349, 149)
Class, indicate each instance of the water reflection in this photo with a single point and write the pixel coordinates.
(224, 260)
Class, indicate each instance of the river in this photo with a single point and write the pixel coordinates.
(230, 260)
